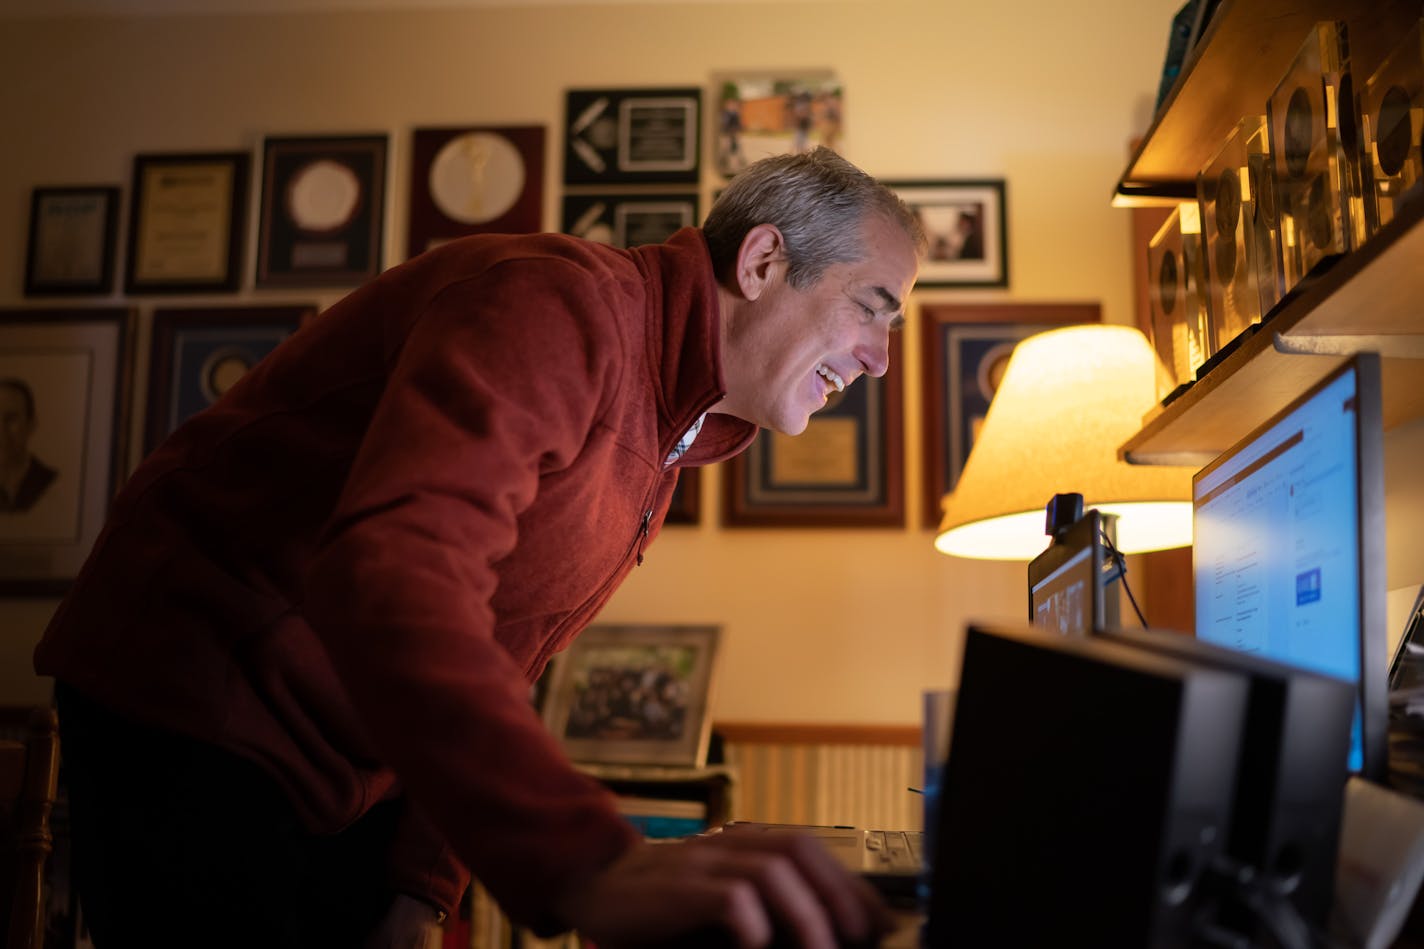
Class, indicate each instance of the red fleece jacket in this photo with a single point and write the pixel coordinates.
(351, 567)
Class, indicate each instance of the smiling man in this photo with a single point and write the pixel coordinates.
(293, 673)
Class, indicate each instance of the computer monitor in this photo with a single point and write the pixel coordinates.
(1068, 582)
(1288, 550)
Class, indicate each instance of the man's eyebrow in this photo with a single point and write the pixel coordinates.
(893, 304)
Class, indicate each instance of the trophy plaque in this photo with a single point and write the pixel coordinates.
(1265, 221)
(1227, 199)
(1180, 332)
(1392, 122)
(1313, 140)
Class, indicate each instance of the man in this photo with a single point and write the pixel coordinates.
(23, 477)
(293, 675)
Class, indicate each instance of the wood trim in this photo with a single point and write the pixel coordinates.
(815, 733)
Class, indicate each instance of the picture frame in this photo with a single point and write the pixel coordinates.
(634, 695)
(845, 470)
(187, 223)
(71, 240)
(322, 212)
(964, 349)
(69, 372)
(965, 222)
(775, 113)
(198, 353)
(629, 219)
(477, 179)
(686, 498)
(632, 136)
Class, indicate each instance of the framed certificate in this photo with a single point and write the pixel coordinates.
(628, 220)
(323, 205)
(199, 353)
(632, 136)
(186, 224)
(845, 470)
(71, 249)
(477, 180)
(64, 389)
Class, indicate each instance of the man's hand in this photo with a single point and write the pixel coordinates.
(737, 888)
(408, 924)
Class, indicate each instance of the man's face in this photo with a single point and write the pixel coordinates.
(16, 427)
(794, 348)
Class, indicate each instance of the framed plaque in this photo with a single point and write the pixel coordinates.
(632, 136)
(71, 249)
(845, 470)
(477, 180)
(965, 222)
(628, 220)
(186, 224)
(965, 348)
(64, 390)
(323, 203)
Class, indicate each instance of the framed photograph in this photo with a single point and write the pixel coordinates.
(64, 392)
(475, 180)
(686, 498)
(198, 354)
(634, 695)
(965, 222)
(71, 250)
(186, 224)
(775, 114)
(628, 220)
(965, 348)
(322, 211)
(632, 136)
(845, 470)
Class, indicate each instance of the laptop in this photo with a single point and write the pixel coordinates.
(892, 861)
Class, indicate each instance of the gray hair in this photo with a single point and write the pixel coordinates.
(817, 200)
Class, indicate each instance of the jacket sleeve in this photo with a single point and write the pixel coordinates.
(501, 377)
(423, 865)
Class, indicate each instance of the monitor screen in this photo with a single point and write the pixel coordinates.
(1288, 550)
(1067, 582)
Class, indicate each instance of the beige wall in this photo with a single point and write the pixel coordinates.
(825, 625)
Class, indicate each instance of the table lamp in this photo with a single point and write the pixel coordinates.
(1068, 400)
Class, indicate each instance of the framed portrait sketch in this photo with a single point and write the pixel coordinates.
(64, 395)
(965, 349)
(634, 695)
(632, 136)
(198, 354)
(187, 222)
(845, 470)
(775, 114)
(71, 249)
(323, 204)
(966, 223)
(475, 180)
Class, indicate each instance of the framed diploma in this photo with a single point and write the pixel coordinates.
(186, 224)
(965, 349)
(199, 353)
(71, 249)
(628, 220)
(845, 470)
(632, 136)
(64, 390)
(485, 180)
(322, 210)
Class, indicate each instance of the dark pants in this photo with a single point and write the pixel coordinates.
(178, 843)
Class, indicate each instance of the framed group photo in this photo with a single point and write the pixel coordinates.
(187, 223)
(966, 226)
(845, 470)
(764, 114)
(64, 391)
(634, 694)
(72, 236)
(965, 349)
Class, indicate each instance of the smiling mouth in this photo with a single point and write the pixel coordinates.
(831, 376)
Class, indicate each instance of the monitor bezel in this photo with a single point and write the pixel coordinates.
(1083, 534)
(1369, 464)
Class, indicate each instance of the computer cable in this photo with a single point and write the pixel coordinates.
(1119, 563)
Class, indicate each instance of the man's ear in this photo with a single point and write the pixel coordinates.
(760, 258)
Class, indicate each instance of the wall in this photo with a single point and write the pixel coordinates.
(821, 625)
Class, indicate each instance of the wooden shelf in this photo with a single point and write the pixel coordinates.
(1232, 71)
(1372, 299)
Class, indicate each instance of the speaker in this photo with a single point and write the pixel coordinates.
(1088, 786)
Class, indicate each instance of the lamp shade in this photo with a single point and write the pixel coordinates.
(1069, 398)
